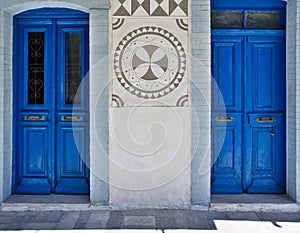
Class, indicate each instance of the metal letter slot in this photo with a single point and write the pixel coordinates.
(72, 118)
(224, 118)
(34, 118)
(265, 119)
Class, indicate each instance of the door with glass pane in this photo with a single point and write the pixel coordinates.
(51, 60)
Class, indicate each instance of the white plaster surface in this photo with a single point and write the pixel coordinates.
(293, 100)
(150, 155)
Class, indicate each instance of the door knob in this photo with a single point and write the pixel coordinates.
(34, 118)
(72, 118)
(224, 118)
(265, 119)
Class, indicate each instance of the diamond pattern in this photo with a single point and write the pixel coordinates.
(150, 7)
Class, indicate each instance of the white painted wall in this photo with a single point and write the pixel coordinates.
(293, 99)
(150, 155)
(150, 146)
(201, 100)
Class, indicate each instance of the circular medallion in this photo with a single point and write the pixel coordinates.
(150, 62)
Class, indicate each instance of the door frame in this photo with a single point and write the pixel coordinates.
(42, 14)
(244, 131)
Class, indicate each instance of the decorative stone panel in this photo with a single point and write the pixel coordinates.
(150, 53)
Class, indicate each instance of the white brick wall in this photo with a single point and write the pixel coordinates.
(5, 104)
(1, 99)
(293, 99)
(98, 92)
(201, 97)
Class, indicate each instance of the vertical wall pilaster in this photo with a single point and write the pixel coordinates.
(98, 82)
(293, 99)
(201, 98)
(6, 101)
(1, 103)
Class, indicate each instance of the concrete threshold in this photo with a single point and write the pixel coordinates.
(225, 203)
(253, 202)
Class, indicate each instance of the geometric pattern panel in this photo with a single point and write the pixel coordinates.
(140, 8)
(150, 62)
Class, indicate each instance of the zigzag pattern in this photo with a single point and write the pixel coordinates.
(150, 7)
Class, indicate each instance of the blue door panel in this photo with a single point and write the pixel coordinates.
(30, 185)
(36, 157)
(226, 128)
(226, 175)
(267, 71)
(34, 176)
(265, 105)
(50, 132)
(227, 72)
(267, 174)
(71, 148)
(71, 173)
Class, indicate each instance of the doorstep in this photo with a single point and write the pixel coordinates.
(48, 203)
(226, 203)
(254, 202)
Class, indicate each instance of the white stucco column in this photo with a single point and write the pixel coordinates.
(293, 99)
(6, 103)
(201, 100)
(98, 82)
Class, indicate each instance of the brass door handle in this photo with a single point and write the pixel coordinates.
(72, 118)
(224, 118)
(34, 118)
(265, 119)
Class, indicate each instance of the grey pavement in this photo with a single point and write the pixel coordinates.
(150, 220)
(226, 214)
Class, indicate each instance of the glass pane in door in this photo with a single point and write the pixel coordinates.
(73, 68)
(36, 67)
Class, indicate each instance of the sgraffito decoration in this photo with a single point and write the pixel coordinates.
(150, 8)
(150, 47)
(150, 62)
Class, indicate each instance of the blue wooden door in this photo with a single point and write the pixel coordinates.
(249, 139)
(51, 60)
(228, 70)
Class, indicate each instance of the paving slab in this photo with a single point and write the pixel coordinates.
(98, 220)
(116, 220)
(82, 220)
(40, 226)
(48, 217)
(68, 220)
(140, 222)
(165, 219)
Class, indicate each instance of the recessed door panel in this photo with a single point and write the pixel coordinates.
(227, 72)
(35, 151)
(51, 138)
(226, 176)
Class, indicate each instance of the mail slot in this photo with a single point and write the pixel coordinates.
(72, 118)
(224, 118)
(265, 119)
(34, 118)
